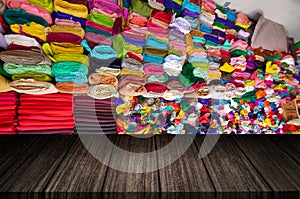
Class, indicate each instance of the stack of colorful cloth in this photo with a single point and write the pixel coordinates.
(191, 11)
(94, 116)
(8, 113)
(297, 48)
(46, 114)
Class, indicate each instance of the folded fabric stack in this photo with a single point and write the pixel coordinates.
(64, 48)
(24, 61)
(46, 114)
(297, 47)
(190, 12)
(94, 116)
(8, 113)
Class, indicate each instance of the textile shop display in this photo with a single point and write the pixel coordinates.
(144, 67)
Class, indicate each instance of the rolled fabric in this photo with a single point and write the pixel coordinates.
(102, 20)
(132, 89)
(66, 29)
(72, 88)
(76, 10)
(21, 40)
(24, 57)
(30, 86)
(103, 91)
(103, 52)
(153, 69)
(60, 15)
(94, 39)
(76, 77)
(33, 29)
(33, 75)
(108, 70)
(4, 85)
(157, 78)
(127, 71)
(67, 22)
(131, 63)
(64, 37)
(156, 87)
(64, 68)
(20, 68)
(12, 16)
(155, 51)
(30, 9)
(148, 58)
(98, 78)
(47, 4)
(126, 79)
(66, 48)
(72, 58)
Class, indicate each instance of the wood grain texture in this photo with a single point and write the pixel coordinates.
(122, 181)
(277, 168)
(230, 170)
(290, 144)
(34, 166)
(80, 171)
(187, 174)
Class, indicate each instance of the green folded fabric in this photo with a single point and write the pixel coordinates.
(238, 52)
(118, 44)
(249, 96)
(47, 4)
(102, 20)
(219, 24)
(297, 45)
(4, 73)
(20, 16)
(97, 31)
(65, 68)
(210, 43)
(15, 69)
(32, 75)
(141, 8)
(221, 8)
(187, 77)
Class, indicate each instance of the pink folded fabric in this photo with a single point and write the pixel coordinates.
(153, 69)
(66, 22)
(64, 37)
(30, 8)
(161, 32)
(98, 26)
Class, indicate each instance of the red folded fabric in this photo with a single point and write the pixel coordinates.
(8, 107)
(45, 112)
(20, 47)
(49, 104)
(37, 128)
(64, 37)
(47, 96)
(45, 123)
(8, 128)
(156, 87)
(40, 107)
(44, 117)
(290, 128)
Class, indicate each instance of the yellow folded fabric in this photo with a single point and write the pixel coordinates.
(72, 57)
(47, 4)
(113, 17)
(127, 71)
(75, 30)
(77, 10)
(4, 85)
(33, 29)
(66, 48)
(48, 51)
(190, 45)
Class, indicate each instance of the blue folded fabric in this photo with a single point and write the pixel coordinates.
(213, 59)
(76, 77)
(205, 28)
(172, 5)
(212, 38)
(152, 58)
(126, 3)
(134, 41)
(173, 57)
(103, 52)
(231, 15)
(61, 15)
(197, 59)
(193, 21)
(152, 41)
(197, 39)
(225, 22)
(190, 6)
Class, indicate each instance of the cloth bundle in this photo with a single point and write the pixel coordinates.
(8, 113)
(191, 10)
(46, 114)
(94, 116)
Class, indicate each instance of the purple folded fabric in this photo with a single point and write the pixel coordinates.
(134, 41)
(172, 5)
(212, 38)
(189, 13)
(218, 33)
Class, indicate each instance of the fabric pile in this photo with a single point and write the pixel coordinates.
(46, 114)
(94, 116)
(8, 113)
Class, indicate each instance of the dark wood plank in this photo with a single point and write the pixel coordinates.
(129, 180)
(186, 174)
(230, 170)
(290, 144)
(277, 168)
(36, 163)
(80, 171)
